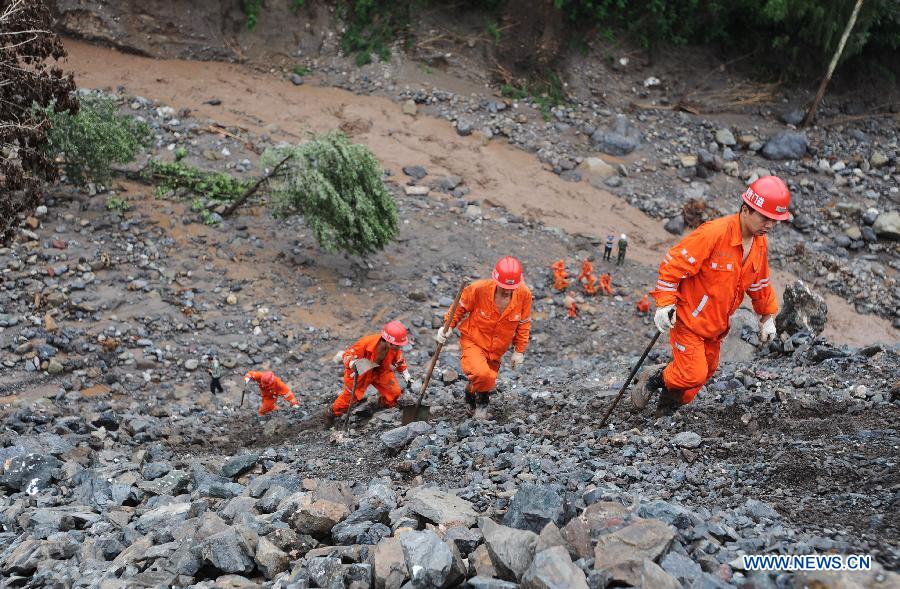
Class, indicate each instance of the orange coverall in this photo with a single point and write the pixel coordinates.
(706, 278)
(381, 377)
(606, 284)
(278, 389)
(486, 334)
(643, 305)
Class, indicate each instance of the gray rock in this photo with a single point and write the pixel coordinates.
(792, 117)
(511, 550)
(389, 564)
(681, 567)
(238, 465)
(174, 483)
(621, 139)
(326, 571)
(802, 310)
(397, 438)
(226, 552)
(725, 137)
(479, 582)
(644, 539)
(675, 225)
(191, 364)
(887, 225)
(432, 564)
(440, 507)
(533, 507)
(296, 79)
(786, 145)
(28, 472)
(759, 510)
(553, 569)
(464, 127)
(318, 518)
(687, 440)
(417, 172)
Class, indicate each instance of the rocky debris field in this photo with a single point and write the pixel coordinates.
(120, 470)
(683, 167)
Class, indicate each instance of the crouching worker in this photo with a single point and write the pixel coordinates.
(382, 349)
(270, 387)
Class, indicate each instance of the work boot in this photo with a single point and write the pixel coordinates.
(667, 404)
(650, 381)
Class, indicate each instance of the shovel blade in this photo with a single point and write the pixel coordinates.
(409, 414)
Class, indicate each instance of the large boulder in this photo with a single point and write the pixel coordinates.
(318, 518)
(644, 539)
(887, 225)
(226, 552)
(441, 507)
(389, 564)
(553, 569)
(270, 559)
(533, 506)
(29, 472)
(511, 550)
(432, 564)
(803, 310)
(620, 139)
(595, 168)
(786, 145)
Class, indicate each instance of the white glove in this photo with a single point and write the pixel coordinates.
(665, 318)
(441, 335)
(766, 328)
(406, 376)
(518, 358)
(351, 364)
(338, 357)
(295, 407)
(246, 379)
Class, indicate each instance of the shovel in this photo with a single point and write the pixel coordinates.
(360, 367)
(628, 380)
(419, 412)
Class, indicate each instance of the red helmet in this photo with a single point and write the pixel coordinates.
(770, 197)
(267, 378)
(394, 333)
(507, 273)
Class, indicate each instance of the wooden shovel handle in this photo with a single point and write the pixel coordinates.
(440, 346)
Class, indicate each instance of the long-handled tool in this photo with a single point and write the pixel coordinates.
(417, 412)
(628, 380)
(360, 367)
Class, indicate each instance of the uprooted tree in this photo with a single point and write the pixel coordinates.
(338, 187)
(28, 79)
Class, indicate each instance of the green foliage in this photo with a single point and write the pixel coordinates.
(302, 70)
(801, 30)
(371, 27)
(175, 177)
(115, 203)
(180, 153)
(494, 31)
(94, 139)
(296, 5)
(545, 91)
(251, 9)
(338, 187)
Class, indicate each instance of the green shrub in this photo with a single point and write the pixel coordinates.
(115, 203)
(94, 139)
(338, 187)
(173, 177)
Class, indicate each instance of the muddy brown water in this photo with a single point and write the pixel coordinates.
(496, 171)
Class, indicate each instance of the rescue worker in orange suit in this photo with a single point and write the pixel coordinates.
(497, 314)
(270, 386)
(643, 305)
(702, 282)
(384, 350)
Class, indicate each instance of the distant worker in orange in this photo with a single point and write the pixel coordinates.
(702, 282)
(570, 305)
(270, 387)
(606, 284)
(384, 350)
(497, 314)
(587, 279)
(560, 276)
(643, 305)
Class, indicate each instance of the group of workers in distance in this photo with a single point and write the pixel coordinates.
(702, 281)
